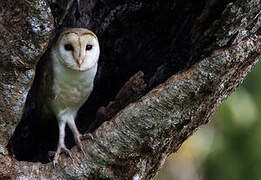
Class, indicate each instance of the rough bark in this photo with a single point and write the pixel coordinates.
(226, 41)
(25, 29)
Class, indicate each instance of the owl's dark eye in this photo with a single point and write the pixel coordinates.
(68, 47)
(88, 47)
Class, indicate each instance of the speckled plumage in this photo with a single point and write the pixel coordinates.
(67, 80)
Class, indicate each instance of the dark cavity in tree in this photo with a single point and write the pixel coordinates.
(154, 37)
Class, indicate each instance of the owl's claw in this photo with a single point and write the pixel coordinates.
(79, 144)
(61, 149)
(79, 138)
(87, 136)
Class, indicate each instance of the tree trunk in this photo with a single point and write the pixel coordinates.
(164, 69)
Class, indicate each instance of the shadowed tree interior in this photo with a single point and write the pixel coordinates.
(157, 38)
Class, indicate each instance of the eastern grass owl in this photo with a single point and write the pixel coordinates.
(67, 81)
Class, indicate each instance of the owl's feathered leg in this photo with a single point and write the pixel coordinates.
(61, 146)
(77, 135)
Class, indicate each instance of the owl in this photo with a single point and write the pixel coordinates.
(67, 81)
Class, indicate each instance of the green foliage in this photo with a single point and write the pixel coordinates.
(228, 148)
(236, 151)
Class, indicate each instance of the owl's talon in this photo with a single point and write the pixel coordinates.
(60, 150)
(79, 144)
(87, 136)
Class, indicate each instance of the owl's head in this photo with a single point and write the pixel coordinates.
(77, 49)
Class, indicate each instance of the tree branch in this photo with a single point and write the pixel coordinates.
(137, 140)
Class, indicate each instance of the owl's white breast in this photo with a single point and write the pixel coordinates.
(71, 88)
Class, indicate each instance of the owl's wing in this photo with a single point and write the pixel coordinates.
(44, 88)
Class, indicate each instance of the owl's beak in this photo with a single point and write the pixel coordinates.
(79, 62)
